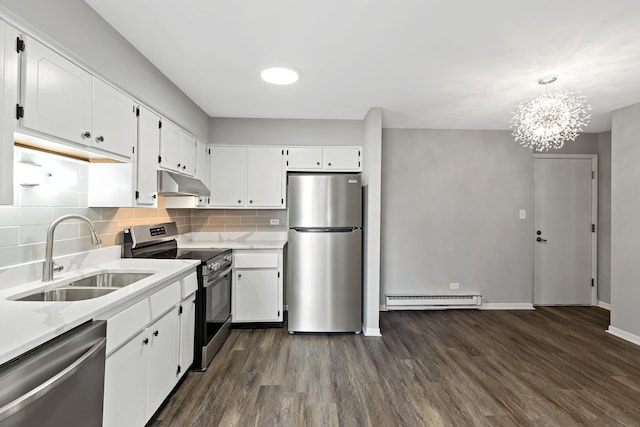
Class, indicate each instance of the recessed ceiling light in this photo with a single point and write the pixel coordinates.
(279, 75)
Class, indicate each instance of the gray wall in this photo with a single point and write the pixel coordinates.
(74, 28)
(450, 204)
(625, 211)
(285, 132)
(604, 217)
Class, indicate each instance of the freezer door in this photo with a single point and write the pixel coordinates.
(324, 200)
(324, 290)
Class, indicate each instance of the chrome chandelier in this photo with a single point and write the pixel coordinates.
(545, 122)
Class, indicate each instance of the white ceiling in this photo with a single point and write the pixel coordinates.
(439, 64)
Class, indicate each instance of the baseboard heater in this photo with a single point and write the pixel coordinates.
(432, 302)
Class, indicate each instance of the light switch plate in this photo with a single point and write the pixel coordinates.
(454, 285)
(275, 221)
(523, 214)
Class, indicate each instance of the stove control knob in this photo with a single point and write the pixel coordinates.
(216, 266)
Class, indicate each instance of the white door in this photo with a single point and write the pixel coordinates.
(56, 94)
(188, 154)
(163, 359)
(114, 120)
(227, 176)
(187, 332)
(304, 158)
(147, 159)
(256, 296)
(125, 384)
(339, 158)
(563, 218)
(202, 163)
(170, 146)
(264, 177)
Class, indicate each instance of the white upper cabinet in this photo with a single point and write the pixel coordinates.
(265, 177)
(247, 177)
(304, 158)
(114, 120)
(317, 159)
(8, 100)
(202, 162)
(62, 100)
(56, 94)
(227, 176)
(147, 160)
(177, 149)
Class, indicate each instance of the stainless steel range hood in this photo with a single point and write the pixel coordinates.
(173, 184)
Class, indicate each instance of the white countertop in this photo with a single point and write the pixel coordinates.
(237, 240)
(27, 324)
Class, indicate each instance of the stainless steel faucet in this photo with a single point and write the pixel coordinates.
(49, 266)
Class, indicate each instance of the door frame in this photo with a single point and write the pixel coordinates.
(594, 216)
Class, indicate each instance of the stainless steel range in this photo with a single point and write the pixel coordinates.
(213, 298)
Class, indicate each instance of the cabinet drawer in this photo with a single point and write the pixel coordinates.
(164, 299)
(189, 285)
(128, 322)
(255, 260)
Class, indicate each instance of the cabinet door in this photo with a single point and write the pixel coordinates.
(114, 120)
(227, 176)
(256, 296)
(8, 100)
(341, 158)
(265, 177)
(56, 94)
(147, 158)
(170, 146)
(202, 163)
(187, 332)
(188, 154)
(304, 158)
(125, 384)
(163, 359)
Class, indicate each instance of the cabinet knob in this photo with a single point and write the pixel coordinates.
(179, 165)
(329, 164)
(154, 196)
(184, 167)
(239, 201)
(318, 163)
(155, 334)
(250, 201)
(100, 138)
(239, 276)
(145, 341)
(87, 134)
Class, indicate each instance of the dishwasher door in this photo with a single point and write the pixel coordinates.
(60, 383)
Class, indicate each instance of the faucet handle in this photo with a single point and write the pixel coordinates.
(57, 267)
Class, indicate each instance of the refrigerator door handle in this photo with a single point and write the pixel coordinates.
(325, 229)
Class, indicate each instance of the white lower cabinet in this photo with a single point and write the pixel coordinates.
(149, 348)
(162, 373)
(125, 384)
(187, 332)
(257, 288)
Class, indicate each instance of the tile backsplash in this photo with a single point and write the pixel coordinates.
(63, 190)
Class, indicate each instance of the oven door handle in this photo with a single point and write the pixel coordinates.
(210, 282)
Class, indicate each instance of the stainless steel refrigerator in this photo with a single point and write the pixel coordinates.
(324, 270)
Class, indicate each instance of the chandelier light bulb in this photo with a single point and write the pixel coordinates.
(545, 122)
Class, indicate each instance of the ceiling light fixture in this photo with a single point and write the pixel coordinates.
(279, 75)
(545, 122)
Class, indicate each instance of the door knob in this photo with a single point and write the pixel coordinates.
(540, 239)
(538, 232)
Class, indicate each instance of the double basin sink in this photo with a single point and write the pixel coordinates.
(89, 287)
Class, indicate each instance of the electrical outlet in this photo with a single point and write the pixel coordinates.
(523, 214)
(274, 221)
(454, 285)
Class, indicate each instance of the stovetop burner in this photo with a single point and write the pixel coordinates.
(186, 253)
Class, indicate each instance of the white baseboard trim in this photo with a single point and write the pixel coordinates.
(604, 305)
(371, 332)
(506, 306)
(624, 335)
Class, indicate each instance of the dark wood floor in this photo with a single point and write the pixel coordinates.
(552, 366)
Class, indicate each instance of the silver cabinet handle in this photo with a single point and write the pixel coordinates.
(35, 393)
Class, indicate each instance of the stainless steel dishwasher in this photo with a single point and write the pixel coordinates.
(60, 383)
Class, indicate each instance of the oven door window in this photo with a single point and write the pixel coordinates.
(218, 303)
